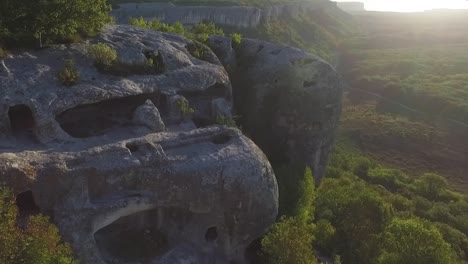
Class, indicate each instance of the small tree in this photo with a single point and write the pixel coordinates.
(23, 21)
(431, 185)
(69, 75)
(39, 242)
(412, 241)
(102, 54)
(290, 242)
(236, 39)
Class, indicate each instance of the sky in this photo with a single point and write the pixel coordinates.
(411, 5)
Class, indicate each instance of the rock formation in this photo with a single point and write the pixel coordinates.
(129, 162)
(352, 7)
(121, 165)
(289, 101)
(236, 16)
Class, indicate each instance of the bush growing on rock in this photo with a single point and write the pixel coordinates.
(185, 108)
(103, 55)
(198, 50)
(38, 242)
(155, 62)
(177, 27)
(226, 121)
(69, 75)
(236, 39)
(200, 32)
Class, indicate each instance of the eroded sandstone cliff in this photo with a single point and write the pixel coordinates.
(130, 175)
(123, 172)
(236, 16)
(289, 100)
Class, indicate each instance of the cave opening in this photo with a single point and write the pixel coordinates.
(22, 121)
(133, 238)
(26, 204)
(211, 234)
(221, 139)
(132, 147)
(202, 122)
(100, 118)
(216, 90)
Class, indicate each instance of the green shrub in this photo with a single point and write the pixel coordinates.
(198, 50)
(106, 61)
(226, 121)
(413, 241)
(206, 29)
(38, 242)
(69, 75)
(325, 235)
(102, 54)
(177, 27)
(236, 39)
(155, 62)
(289, 242)
(296, 190)
(431, 185)
(184, 108)
(36, 22)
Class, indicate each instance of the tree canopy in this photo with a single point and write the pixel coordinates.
(26, 22)
(38, 242)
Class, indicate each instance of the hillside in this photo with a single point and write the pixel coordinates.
(171, 138)
(316, 26)
(408, 91)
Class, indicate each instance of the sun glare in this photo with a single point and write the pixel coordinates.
(411, 5)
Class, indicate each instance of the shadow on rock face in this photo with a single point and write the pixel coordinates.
(134, 238)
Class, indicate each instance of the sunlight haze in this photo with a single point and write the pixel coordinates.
(412, 5)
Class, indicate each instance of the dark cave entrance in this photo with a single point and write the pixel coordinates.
(22, 121)
(26, 204)
(133, 238)
(211, 234)
(99, 118)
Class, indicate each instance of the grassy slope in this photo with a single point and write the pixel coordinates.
(418, 63)
(419, 60)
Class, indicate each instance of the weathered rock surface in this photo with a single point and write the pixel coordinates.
(148, 115)
(237, 16)
(101, 102)
(118, 192)
(289, 100)
(173, 187)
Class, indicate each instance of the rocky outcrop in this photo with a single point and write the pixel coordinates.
(352, 7)
(289, 102)
(237, 16)
(34, 102)
(208, 193)
(148, 115)
(127, 172)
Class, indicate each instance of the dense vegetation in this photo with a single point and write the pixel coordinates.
(199, 32)
(408, 97)
(417, 60)
(24, 22)
(368, 213)
(36, 241)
